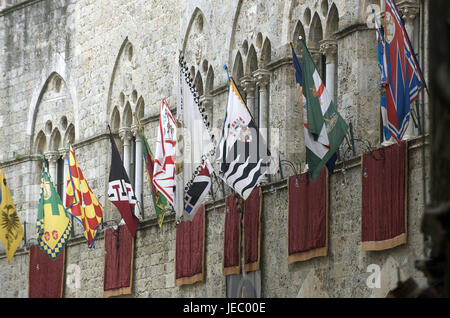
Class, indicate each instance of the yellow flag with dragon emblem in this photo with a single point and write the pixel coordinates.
(11, 230)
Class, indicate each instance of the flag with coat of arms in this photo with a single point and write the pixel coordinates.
(242, 152)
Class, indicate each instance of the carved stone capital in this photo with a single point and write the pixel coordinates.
(125, 134)
(328, 48)
(52, 156)
(315, 55)
(248, 83)
(64, 153)
(135, 131)
(262, 77)
(206, 101)
(408, 9)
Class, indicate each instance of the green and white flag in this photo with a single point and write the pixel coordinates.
(325, 129)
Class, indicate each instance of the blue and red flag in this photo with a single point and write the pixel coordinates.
(403, 76)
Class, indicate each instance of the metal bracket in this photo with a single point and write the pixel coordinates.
(27, 241)
(296, 172)
(116, 232)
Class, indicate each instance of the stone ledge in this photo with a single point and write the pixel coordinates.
(351, 29)
(22, 159)
(6, 8)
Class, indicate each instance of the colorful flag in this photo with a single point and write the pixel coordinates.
(159, 201)
(194, 149)
(164, 166)
(81, 201)
(324, 127)
(298, 78)
(403, 76)
(53, 225)
(120, 191)
(381, 67)
(11, 230)
(242, 151)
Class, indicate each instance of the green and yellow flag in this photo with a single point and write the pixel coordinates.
(53, 225)
(159, 201)
(11, 230)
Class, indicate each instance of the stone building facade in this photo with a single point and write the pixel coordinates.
(69, 68)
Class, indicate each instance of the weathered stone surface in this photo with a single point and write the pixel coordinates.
(312, 287)
(69, 68)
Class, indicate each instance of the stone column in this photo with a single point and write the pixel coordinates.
(316, 57)
(329, 49)
(125, 136)
(207, 104)
(138, 171)
(409, 9)
(262, 79)
(248, 83)
(64, 153)
(52, 157)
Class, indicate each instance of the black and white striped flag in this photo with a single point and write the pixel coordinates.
(242, 152)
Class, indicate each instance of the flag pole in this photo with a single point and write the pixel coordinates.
(139, 204)
(112, 138)
(140, 208)
(415, 59)
(226, 70)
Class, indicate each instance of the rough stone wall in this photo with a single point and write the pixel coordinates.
(98, 62)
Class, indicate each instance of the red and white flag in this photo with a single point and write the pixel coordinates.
(164, 167)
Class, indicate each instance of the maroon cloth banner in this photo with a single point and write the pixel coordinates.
(190, 249)
(119, 253)
(384, 182)
(232, 237)
(252, 230)
(46, 277)
(307, 217)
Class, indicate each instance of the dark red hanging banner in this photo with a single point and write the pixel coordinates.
(307, 217)
(232, 237)
(252, 230)
(46, 277)
(384, 193)
(119, 254)
(190, 249)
